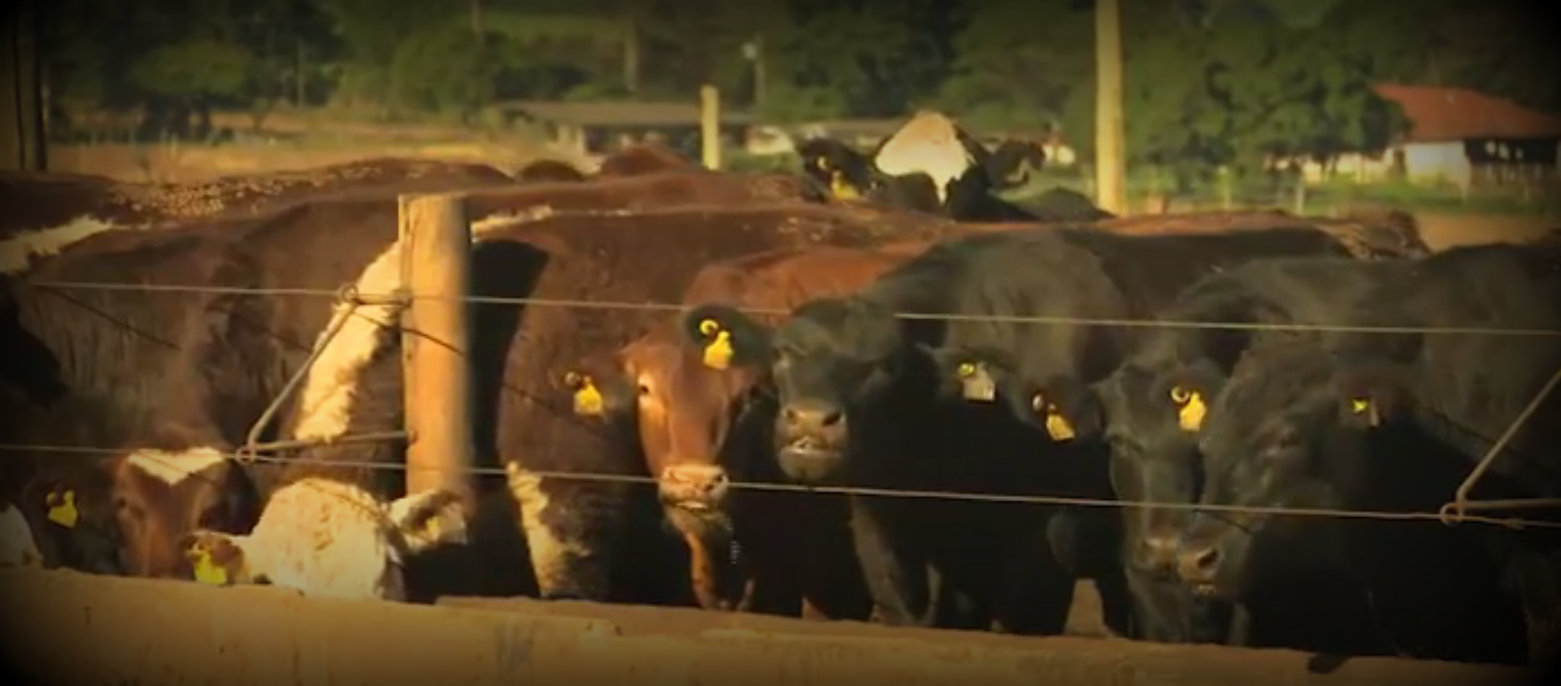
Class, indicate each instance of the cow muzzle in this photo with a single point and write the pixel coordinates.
(1203, 568)
(694, 488)
(812, 439)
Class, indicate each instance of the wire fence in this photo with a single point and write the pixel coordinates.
(1453, 512)
(1021, 499)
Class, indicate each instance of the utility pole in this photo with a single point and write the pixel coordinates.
(1110, 176)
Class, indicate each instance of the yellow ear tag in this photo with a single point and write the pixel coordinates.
(1365, 406)
(208, 572)
(1191, 415)
(718, 352)
(841, 188)
(1057, 425)
(65, 513)
(588, 400)
(975, 383)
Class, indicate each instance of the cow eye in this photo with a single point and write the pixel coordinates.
(644, 390)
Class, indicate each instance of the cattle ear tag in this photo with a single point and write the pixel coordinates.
(1366, 407)
(587, 399)
(975, 383)
(1057, 426)
(62, 508)
(1190, 416)
(840, 187)
(206, 571)
(718, 352)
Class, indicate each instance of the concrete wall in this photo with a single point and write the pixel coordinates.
(70, 628)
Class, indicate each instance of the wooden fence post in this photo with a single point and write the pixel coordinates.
(710, 126)
(435, 241)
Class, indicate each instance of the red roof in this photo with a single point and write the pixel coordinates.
(1445, 114)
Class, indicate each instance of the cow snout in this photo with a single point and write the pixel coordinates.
(1199, 566)
(816, 423)
(812, 437)
(1156, 554)
(693, 487)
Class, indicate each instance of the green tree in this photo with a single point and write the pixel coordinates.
(1016, 64)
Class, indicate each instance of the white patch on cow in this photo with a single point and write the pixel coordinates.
(16, 253)
(501, 220)
(18, 548)
(927, 143)
(325, 405)
(331, 539)
(549, 553)
(327, 397)
(174, 467)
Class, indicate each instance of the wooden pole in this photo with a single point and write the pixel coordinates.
(1109, 152)
(435, 269)
(710, 126)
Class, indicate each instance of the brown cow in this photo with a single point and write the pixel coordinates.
(645, 158)
(683, 411)
(549, 170)
(649, 256)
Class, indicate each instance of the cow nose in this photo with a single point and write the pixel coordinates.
(1199, 564)
(1156, 554)
(812, 415)
(693, 486)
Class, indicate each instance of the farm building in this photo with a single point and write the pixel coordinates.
(1470, 138)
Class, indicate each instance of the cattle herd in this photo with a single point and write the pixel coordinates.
(881, 322)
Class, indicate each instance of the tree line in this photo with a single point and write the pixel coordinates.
(1207, 82)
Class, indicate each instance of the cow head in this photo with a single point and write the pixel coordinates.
(838, 167)
(329, 538)
(1010, 164)
(71, 507)
(831, 364)
(160, 496)
(1287, 430)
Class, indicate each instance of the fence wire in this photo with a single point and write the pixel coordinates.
(1022, 499)
(1453, 512)
(398, 296)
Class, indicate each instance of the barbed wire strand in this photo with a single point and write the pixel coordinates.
(1511, 523)
(401, 296)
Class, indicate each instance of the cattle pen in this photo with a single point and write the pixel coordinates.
(76, 628)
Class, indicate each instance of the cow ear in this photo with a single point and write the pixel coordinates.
(959, 374)
(593, 395)
(216, 558)
(1067, 409)
(1371, 392)
(725, 336)
(429, 518)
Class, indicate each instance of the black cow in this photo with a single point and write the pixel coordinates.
(861, 402)
(1394, 421)
(1141, 408)
(928, 153)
